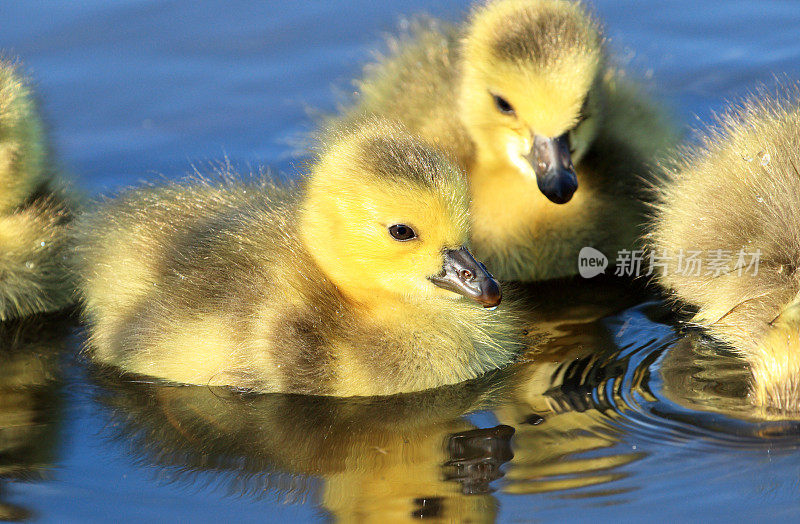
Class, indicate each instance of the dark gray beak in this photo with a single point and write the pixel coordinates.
(552, 163)
(466, 276)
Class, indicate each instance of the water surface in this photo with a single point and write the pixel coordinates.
(621, 416)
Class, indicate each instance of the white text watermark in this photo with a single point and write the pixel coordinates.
(684, 262)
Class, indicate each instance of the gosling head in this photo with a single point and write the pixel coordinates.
(385, 214)
(526, 94)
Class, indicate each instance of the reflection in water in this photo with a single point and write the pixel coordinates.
(566, 437)
(29, 402)
(403, 457)
(407, 456)
(698, 374)
(560, 422)
(476, 456)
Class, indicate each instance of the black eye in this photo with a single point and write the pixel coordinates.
(402, 232)
(503, 106)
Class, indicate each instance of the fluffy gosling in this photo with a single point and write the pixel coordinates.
(737, 198)
(524, 96)
(353, 285)
(34, 208)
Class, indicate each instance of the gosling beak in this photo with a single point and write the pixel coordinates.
(552, 163)
(466, 276)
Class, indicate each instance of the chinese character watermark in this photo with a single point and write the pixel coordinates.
(684, 262)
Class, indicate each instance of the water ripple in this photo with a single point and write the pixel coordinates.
(672, 388)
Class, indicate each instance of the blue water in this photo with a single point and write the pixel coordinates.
(136, 90)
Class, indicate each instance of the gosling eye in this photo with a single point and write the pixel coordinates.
(402, 232)
(503, 105)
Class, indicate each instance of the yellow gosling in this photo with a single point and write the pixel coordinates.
(352, 285)
(736, 199)
(556, 140)
(33, 208)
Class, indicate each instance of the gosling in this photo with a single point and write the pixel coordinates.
(34, 208)
(524, 97)
(733, 205)
(353, 285)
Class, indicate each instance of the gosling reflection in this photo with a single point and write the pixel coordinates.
(29, 403)
(701, 377)
(401, 457)
(564, 402)
(558, 422)
(393, 458)
(476, 457)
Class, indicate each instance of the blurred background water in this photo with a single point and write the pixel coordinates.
(621, 417)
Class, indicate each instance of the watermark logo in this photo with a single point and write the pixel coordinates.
(591, 262)
(715, 263)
